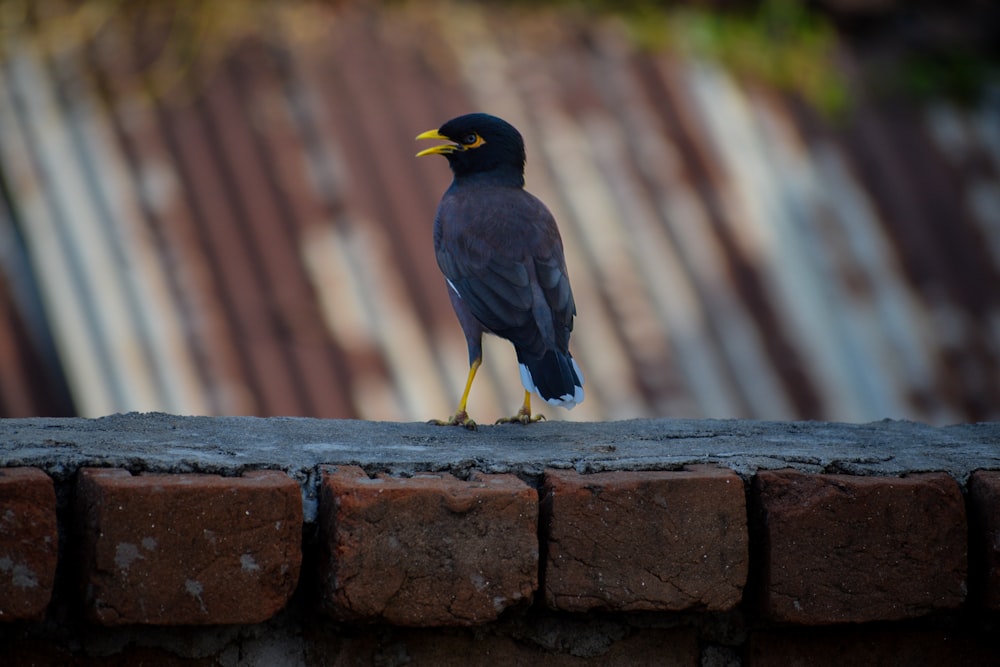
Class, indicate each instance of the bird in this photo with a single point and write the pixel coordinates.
(502, 257)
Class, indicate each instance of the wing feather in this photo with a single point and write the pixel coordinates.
(501, 250)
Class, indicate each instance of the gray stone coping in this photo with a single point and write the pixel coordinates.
(156, 442)
(230, 445)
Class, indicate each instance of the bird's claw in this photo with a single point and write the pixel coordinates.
(522, 417)
(458, 419)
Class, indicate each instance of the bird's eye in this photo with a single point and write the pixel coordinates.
(470, 139)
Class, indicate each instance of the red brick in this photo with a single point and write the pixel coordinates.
(427, 550)
(632, 541)
(984, 522)
(188, 549)
(31, 653)
(561, 646)
(870, 645)
(843, 549)
(29, 543)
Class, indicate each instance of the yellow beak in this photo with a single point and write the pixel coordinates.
(443, 149)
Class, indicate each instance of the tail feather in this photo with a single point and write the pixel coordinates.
(555, 377)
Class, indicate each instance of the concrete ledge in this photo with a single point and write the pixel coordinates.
(230, 445)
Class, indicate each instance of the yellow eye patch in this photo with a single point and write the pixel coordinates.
(472, 140)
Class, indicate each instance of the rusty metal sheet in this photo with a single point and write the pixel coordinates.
(263, 245)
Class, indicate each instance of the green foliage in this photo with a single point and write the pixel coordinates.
(780, 42)
(783, 43)
(180, 40)
(959, 74)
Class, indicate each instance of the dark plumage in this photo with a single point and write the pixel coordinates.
(500, 251)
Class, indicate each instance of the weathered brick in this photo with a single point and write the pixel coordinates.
(650, 646)
(429, 549)
(839, 549)
(190, 548)
(29, 543)
(984, 522)
(870, 645)
(36, 652)
(556, 645)
(645, 540)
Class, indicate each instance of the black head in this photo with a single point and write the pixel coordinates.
(483, 144)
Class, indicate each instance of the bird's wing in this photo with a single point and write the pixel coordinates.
(554, 281)
(504, 258)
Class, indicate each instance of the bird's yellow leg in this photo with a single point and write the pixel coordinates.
(523, 415)
(461, 417)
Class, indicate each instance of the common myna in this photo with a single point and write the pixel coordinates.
(500, 251)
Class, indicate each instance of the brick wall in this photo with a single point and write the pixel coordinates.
(106, 559)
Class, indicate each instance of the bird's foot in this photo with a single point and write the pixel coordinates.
(523, 416)
(460, 418)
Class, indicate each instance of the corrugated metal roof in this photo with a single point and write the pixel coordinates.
(263, 247)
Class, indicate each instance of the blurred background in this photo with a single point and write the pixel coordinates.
(776, 209)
